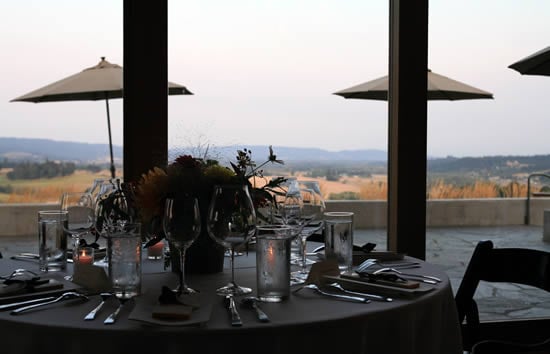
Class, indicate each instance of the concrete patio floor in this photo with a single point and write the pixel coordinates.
(448, 247)
(452, 247)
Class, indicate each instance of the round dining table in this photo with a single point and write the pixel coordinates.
(306, 322)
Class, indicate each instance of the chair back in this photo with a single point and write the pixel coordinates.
(510, 265)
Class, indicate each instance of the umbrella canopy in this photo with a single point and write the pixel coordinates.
(535, 64)
(439, 88)
(100, 82)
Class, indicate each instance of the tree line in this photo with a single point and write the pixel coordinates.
(47, 169)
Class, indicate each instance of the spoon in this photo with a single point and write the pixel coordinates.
(252, 302)
(91, 315)
(372, 296)
(65, 296)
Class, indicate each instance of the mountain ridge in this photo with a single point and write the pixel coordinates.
(31, 149)
(39, 150)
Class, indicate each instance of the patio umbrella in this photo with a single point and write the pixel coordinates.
(100, 82)
(535, 64)
(439, 88)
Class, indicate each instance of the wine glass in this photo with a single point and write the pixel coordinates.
(81, 215)
(182, 225)
(290, 212)
(231, 222)
(312, 218)
(111, 211)
(95, 189)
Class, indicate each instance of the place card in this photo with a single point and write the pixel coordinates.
(320, 269)
(91, 277)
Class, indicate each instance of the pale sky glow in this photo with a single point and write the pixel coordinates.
(263, 72)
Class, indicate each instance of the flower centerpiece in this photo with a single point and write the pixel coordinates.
(196, 177)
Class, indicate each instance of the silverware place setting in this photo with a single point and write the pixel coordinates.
(32, 305)
(232, 309)
(252, 302)
(91, 315)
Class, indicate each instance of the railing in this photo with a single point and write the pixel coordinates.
(528, 201)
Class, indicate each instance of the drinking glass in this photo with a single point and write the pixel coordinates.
(80, 214)
(231, 222)
(312, 218)
(182, 226)
(124, 257)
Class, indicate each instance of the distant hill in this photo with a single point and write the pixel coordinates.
(23, 149)
(41, 149)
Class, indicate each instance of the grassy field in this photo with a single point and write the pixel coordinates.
(46, 190)
(372, 188)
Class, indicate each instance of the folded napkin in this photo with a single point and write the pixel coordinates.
(189, 310)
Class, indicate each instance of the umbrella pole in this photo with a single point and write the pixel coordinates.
(110, 139)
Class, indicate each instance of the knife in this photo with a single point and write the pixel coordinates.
(13, 305)
(235, 317)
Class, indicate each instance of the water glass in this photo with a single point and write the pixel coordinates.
(52, 240)
(124, 257)
(273, 262)
(339, 238)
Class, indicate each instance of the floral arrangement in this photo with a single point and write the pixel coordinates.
(196, 177)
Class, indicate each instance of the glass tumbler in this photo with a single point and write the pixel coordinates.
(124, 257)
(339, 238)
(52, 240)
(273, 262)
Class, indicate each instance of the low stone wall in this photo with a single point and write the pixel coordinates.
(20, 219)
(451, 212)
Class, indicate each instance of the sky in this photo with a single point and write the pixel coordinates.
(263, 72)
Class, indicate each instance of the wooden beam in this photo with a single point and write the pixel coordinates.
(145, 86)
(407, 142)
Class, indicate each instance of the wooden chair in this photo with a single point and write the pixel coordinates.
(509, 265)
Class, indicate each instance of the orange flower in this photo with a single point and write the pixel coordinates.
(151, 192)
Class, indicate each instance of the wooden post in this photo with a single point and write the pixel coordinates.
(407, 142)
(145, 86)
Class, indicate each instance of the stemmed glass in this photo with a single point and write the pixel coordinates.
(290, 211)
(112, 211)
(81, 215)
(231, 222)
(312, 217)
(182, 225)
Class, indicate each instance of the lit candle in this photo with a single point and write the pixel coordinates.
(155, 251)
(271, 253)
(85, 257)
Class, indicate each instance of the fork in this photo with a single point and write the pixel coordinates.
(65, 296)
(372, 261)
(338, 296)
(425, 278)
